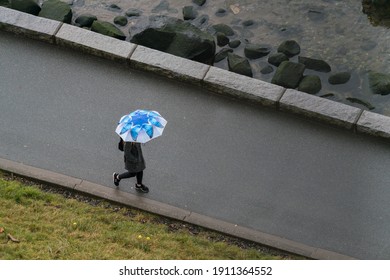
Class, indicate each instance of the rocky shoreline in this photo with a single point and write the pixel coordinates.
(192, 37)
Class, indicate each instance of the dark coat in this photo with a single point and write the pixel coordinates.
(134, 159)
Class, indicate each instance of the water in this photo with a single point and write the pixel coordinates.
(333, 30)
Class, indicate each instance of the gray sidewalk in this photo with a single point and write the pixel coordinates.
(294, 183)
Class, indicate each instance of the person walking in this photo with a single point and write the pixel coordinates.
(135, 128)
(134, 164)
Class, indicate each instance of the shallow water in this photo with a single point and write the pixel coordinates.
(333, 30)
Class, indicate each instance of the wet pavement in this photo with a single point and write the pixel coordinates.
(236, 162)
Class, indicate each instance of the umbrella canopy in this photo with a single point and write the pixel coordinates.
(140, 126)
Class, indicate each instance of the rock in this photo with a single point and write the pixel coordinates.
(267, 70)
(316, 15)
(199, 2)
(333, 96)
(201, 21)
(235, 8)
(12, 238)
(78, 3)
(328, 95)
(120, 20)
(155, 39)
(177, 37)
(163, 6)
(288, 74)
(289, 48)
(56, 10)
(189, 13)
(379, 83)
(220, 12)
(248, 23)
(376, 3)
(222, 54)
(222, 40)
(223, 28)
(234, 44)
(254, 51)
(26, 6)
(114, 8)
(378, 11)
(339, 78)
(368, 45)
(277, 58)
(108, 29)
(85, 20)
(133, 12)
(239, 65)
(5, 3)
(366, 104)
(310, 84)
(315, 64)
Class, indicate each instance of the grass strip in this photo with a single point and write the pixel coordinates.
(37, 224)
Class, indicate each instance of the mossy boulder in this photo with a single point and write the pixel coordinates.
(277, 58)
(120, 20)
(378, 11)
(26, 6)
(189, 13)
(222, 54)
(315, 64)
(5, 3)
(234, 43)
(108, 29)
(223, 28)
(132, 12)
(289, 48)
(288, 74)
(239, 65)
(222, 39)
(379, 83)
(266, 70)
(56, 10)
(310, 84)
(339, 78)
(254, 51)
(177, 37)
(85, 20)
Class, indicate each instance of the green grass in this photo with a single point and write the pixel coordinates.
(51, 226)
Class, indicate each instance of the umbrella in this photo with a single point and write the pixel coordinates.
(140, 126)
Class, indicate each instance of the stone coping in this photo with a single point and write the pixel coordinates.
(28, 25)
(211, 78)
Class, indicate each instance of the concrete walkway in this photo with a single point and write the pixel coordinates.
(300, 185)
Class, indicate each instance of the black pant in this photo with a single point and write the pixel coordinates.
(128, 174)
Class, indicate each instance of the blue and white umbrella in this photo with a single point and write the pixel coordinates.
(140, 126)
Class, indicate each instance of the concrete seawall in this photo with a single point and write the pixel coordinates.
(211, 78)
